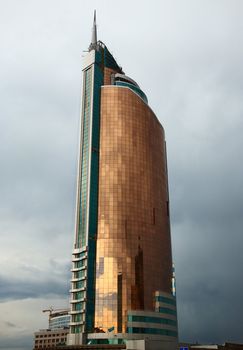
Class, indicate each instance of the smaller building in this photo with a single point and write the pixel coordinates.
(46, 338)
(56, 333)
(59, 319)
(225, 346)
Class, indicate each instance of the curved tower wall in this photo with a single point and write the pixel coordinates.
(122, 269)
(133, 258)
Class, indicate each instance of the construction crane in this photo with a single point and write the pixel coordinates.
(52, 311)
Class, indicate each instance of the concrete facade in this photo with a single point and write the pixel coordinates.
(46, 338)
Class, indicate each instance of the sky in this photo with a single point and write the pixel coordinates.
(187, 56)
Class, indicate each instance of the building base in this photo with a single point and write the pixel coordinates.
(76, 339)
(149, 344)
(142, 344)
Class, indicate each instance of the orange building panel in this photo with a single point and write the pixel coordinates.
(133, 257)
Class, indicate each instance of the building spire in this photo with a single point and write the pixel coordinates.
(94, 33)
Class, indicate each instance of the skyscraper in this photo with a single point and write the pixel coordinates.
(122, 265)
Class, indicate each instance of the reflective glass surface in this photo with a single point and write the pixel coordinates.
(133, 241)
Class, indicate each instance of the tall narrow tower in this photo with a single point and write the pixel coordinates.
(122, 266)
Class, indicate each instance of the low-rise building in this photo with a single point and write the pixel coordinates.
(56, 333)
(47, 338)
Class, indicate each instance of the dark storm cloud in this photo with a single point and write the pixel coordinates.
(209, 279)
(34, 283)
(16, 289)
(207, 203)
(14, 342)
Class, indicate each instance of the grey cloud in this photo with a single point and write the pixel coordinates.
(10, 324)
(17, 342)
(17, 289)
(33, 282)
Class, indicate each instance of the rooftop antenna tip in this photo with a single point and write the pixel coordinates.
(94, 33)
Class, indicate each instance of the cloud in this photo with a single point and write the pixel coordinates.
(28, 318)
(20, 343)
(17, 289)
(28, 280)
(10, 324)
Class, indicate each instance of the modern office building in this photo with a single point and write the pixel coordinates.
(59, 319)
(57, 331)
(121, 287)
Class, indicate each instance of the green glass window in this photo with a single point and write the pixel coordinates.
(165, 300)
(148, 319)
(80, 263)
(151, 331)
(165, 310)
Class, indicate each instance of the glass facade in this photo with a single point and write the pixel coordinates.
(166, 310)
(141, 330)
(122, 249)
(59, 322)
(165, 300)
(133, 241)
(134, 88)
(84, 255)
(81, 237)
(82, 310)
(151, 319)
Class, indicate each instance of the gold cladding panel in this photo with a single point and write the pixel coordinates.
(133, 238)
(107, 75)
